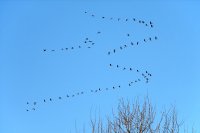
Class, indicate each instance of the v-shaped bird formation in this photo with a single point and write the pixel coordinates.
(87, 43)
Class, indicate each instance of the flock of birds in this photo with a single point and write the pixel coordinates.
(145, 75)
(33, 105)
(88, 43)
(119, 19)
(131, 44)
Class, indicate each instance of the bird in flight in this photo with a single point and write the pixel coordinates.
(44, 50)
(132, 43)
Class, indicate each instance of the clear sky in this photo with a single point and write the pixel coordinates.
(30, 74)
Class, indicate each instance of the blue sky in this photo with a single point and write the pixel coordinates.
(27, 73)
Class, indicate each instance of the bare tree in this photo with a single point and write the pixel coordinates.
(138, 118)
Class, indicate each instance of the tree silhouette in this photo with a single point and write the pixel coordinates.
(138, 118)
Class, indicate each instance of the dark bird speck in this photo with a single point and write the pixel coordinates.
(132, 43)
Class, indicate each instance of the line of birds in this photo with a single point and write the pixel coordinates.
(147, 24)
(31, 106)
(146, 75)
(87, 43)
(131, 44)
